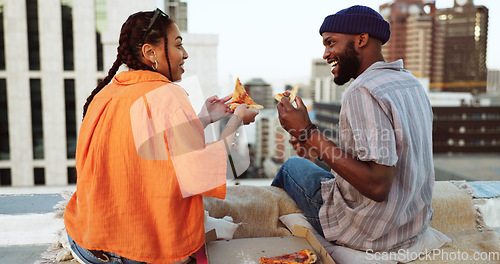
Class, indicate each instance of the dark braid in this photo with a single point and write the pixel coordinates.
(168, 59)
(103, 83)
(130, 45)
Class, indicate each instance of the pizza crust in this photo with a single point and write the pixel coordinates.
(251, 107)
(292, 96)
(279, 96)
(304, 256)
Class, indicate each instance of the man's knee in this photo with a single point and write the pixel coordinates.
(293, 162)
(285, 171)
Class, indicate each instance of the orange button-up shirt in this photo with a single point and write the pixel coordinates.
(142, 165)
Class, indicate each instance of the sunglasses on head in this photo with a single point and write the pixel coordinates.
(158, 13)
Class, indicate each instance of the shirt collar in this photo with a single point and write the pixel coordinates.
(379, 65)
(132, 77)
(395, 65)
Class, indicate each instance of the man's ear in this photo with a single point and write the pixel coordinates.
(363, 39)
(148, 52)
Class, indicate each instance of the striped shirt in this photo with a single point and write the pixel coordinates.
(386, 118)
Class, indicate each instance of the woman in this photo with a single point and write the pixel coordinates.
(141, 158)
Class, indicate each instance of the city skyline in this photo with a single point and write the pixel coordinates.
(49, 93)
(275, 42)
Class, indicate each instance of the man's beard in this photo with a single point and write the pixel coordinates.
(348, 65)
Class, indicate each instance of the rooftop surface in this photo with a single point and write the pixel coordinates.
(470, 167)
(28, 225)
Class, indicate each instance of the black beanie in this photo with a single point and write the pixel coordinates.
(356, 20)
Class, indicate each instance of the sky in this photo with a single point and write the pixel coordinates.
(277, 40)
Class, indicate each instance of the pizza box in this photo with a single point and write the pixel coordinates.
(250, 250)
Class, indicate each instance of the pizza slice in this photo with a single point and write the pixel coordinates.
(304, 256)
(292, 96)
(240, 96)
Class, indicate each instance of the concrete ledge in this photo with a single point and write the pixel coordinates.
(29, 224)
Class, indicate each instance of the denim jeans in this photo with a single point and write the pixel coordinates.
(89, 258)
(301, 179)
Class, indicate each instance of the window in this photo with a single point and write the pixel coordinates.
(69, 98)
(67, 31)
(100, 54)
(4, 122)
(33, 38)
(71, 175)
(36, 118)
(2, 43)
(100, 15)
(5, 178)
(39, 174)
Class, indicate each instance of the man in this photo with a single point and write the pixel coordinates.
(378, 195)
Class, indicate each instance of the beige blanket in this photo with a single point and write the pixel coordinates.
(454, 215)
(257, 208)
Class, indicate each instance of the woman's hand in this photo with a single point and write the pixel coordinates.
(246, 115)
(215, 109)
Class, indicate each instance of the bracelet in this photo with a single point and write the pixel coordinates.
(241, 120)
(236, 124)
(307, 133)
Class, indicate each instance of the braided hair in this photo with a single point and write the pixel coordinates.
(130, 46)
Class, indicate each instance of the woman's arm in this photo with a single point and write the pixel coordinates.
(214, 110)
(242, 116)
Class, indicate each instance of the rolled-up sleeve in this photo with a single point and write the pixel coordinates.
(199, 167)
(169, 128)
(372, 131)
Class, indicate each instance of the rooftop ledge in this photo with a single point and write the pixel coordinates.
(29, 224)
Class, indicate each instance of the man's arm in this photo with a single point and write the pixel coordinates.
(369, 178)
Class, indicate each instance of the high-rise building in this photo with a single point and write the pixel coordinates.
(448, 46)
(272, 148)
(493, 82)
(456, 129)
(397, 14)
(261, 92)
(322, 85)
(419, 49)
(395, 48)
(466, 35)
(52, 54)
(416, 37)
(178, 11)
(52, 59)
(319, 70)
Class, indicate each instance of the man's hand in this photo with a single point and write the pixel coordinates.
(304, 150)
(292, 119)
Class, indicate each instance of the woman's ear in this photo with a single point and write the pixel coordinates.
(148, 52)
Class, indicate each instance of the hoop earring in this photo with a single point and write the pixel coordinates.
(155, 66)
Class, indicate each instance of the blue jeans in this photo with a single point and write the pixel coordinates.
(87, 256)
(301, 179)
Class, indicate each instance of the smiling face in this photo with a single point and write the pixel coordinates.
(176, 55)
(173, 68)
(342, 56)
